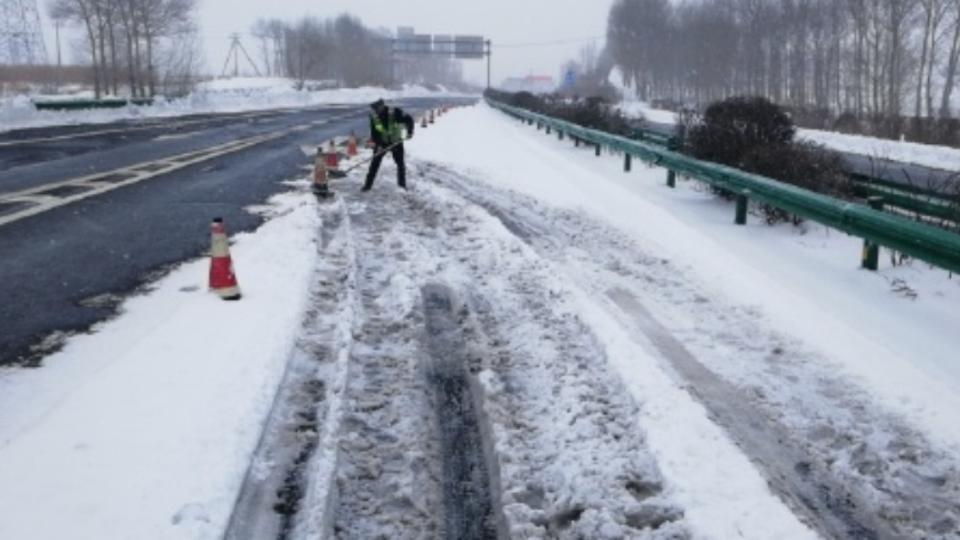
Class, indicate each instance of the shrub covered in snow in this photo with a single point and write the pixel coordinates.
(591, 112)
(732, 128)
(756, 135)
(802, 164)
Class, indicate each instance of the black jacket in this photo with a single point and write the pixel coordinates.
(398, 116)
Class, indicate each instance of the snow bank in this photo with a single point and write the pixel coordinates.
(218, 96)
(937, 157)
(145, 428)
(635, 109)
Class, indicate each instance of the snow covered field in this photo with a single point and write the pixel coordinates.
(587, 353)
(937, 157)
(217, 96)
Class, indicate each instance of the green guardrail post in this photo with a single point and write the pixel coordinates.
(743, 200)
(671, 179)
(576, 142)
(627, 162)
(599, 149)
(560, 134)
(539, 125)
(871, 250)
(548, 130)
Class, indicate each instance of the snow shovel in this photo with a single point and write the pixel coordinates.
(371, 158)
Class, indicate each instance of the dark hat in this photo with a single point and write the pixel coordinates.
(378, 104)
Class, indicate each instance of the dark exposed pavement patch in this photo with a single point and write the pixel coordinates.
(467, 501)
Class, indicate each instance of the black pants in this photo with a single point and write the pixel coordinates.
(397, 153)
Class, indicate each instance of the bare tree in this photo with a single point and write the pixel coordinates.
(343, 51)
(953, 58)
(872, 60)
(82, 11)
(931, 13)
(124, 34)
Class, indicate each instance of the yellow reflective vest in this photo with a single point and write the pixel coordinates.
(390, 132)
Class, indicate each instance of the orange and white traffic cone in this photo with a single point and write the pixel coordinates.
(432, 117)
(332, 161)
(352, 146)
(423, 121)
(320, 186)
(223, 280)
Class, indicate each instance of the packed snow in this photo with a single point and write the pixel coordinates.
(781, 316)
(217, 96)
(639, 367)
(806, 278)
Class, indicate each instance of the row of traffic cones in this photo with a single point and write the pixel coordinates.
(223, 278)
(327, 165)
(430, 117)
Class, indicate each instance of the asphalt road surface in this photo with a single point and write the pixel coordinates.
(90, 213)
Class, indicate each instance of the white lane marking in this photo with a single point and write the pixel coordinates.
(175, 136)
(146, 127)
(40, 199)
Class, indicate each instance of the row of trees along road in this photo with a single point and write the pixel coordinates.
(343, 51)
(864, 57)
(137, 44)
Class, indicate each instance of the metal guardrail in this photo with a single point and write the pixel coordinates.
(653, 137)
(877, 228)
(941, 208)
(79, 104)
(922, 202)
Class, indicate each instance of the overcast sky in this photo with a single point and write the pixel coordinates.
(506, 22)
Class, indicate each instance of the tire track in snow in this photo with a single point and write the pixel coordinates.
(389, 479)
(564, 456)
(286, 490)
(825, 446)
(466, 490)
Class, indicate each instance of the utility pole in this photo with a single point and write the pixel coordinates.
(489, 59)
(56, 26)
(59, 57)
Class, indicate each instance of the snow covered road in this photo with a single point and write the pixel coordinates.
(528, 344)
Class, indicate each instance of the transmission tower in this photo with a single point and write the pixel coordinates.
(235, 49)
(21, 40)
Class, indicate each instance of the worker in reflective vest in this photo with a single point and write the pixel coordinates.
(386, 131)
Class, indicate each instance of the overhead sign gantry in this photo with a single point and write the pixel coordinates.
(457, 47)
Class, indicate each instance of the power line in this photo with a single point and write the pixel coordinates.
(570, 41)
